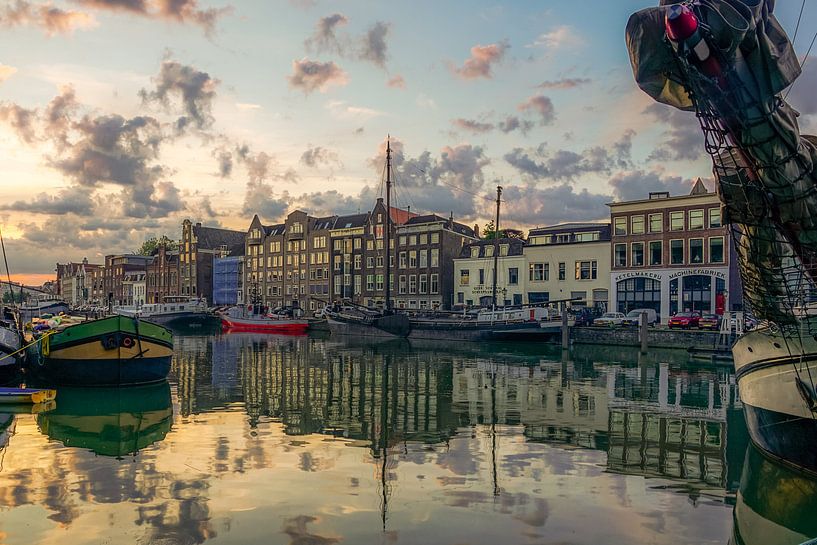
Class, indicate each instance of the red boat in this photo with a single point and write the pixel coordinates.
(262, 323)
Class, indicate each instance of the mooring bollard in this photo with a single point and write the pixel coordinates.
(565, 331)
(643, 329)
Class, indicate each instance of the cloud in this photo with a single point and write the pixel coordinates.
(435, 184)
(637, 184)
(247, 106)
(682, 140)
(331, 202)
(195, 89)
(481, 61)
(529, 205)
(180, 11)
(22, 120)
(340, 109)
(73, 200)
(324, 39)
(6, 72)
(540, 105)
(259, 199)
(563, 165)
(564, 83)
(561, 36)
(310, 76)
(472, 126)
(53, 20)
(317, 156)
(373, 44)
(512, 123)
(397, 82)
(225, 162)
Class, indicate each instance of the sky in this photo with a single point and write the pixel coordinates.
(121, 118)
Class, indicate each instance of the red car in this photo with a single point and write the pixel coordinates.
(710, 321)
(684, 320)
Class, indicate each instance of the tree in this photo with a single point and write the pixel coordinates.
(151, 245)
(488, 232)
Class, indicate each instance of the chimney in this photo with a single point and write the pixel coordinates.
(476, 230)
(451, 220)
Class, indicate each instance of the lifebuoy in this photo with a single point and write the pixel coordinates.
(127, 342)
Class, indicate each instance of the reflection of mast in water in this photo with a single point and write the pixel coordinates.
(383, 441)
(493, 430)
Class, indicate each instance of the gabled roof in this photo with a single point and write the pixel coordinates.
(211, 238)
(400, 216)
(515, 246)
(699, 188)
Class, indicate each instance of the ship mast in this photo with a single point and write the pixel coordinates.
(496, 241)
(388, 224)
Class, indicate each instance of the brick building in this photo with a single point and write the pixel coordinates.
(197, 249)
(117, 268)
(162, 278)
(672, 254)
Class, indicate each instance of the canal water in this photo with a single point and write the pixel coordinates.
(311, 441)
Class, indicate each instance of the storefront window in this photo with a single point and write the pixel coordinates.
(696, 250)
(697, 293)
(655, 253)
(638, 254)
(716, 250)
(634, 293)
(676, 250)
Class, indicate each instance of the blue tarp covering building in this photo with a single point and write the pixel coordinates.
(226, 280)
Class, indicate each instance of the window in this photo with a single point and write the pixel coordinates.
(714, 218)
(424, 239)
(464, 277)
(370, 282)
(423, 283)
(358, 280)
(358, 261)
(379, 281)
(561, 271)
(637, 225)
(481, 276)
(676, 221)
(358, 243)
(423, 259)
(503, 249)
(435, 238)
(655, 252)
(435, 257)
(676, 252)
(402, 284)
(696, 250)
(435, 283)
(402, 260)
(513, 276)
(474, 251)
(716, 250)
(586, 270)
(413, 283)
(620, 226)
(588, 237)
(412, 259)
(696, 219)
(403, 240)
(620, 255)
(489, 251)
(638, 254)
(656, 223)
(370, 262)
(460, 297)
(412, 240)
(370, 245)
(538, 272)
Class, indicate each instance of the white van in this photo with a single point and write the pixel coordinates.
(634, 316)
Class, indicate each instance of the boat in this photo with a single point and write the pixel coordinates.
(733, 64)
(26, 396)
(255, 320)
(10, 354)
(501, 324)
(176, 311)
(111, 351)
(110, 421)
(43, 305)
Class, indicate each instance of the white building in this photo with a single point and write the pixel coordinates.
(473, 274)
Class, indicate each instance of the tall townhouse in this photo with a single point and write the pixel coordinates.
(117, 268)
(197, 249)
(162, 279)
(351, 261)
(426, 248)
(569, 261)
(75, 281)
(673, 254)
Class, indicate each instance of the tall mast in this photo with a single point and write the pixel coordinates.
(496, 240)
(388, 223)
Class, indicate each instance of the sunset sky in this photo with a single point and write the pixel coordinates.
(120, 118)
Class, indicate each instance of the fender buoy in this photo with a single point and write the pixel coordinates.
(110, 342)
(46, 347)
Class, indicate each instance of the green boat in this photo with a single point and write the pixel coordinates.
(112, 351)
(110, 421)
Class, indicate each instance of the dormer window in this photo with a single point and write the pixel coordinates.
(503, 249)
(475, 251)
(489, 251)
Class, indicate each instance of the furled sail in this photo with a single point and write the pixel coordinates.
(729, 61)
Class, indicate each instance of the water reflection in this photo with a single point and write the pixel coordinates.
(306, 440)
(110, 421)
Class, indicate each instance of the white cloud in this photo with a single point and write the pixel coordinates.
(425, 101)
(247, 106)
(561, 36)
(340, 109)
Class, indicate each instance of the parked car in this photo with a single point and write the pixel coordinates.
(583, 317)
(710, 321)
(684, 320)
(610, 319)
(634, 316)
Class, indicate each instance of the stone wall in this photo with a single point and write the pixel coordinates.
(656, 338)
